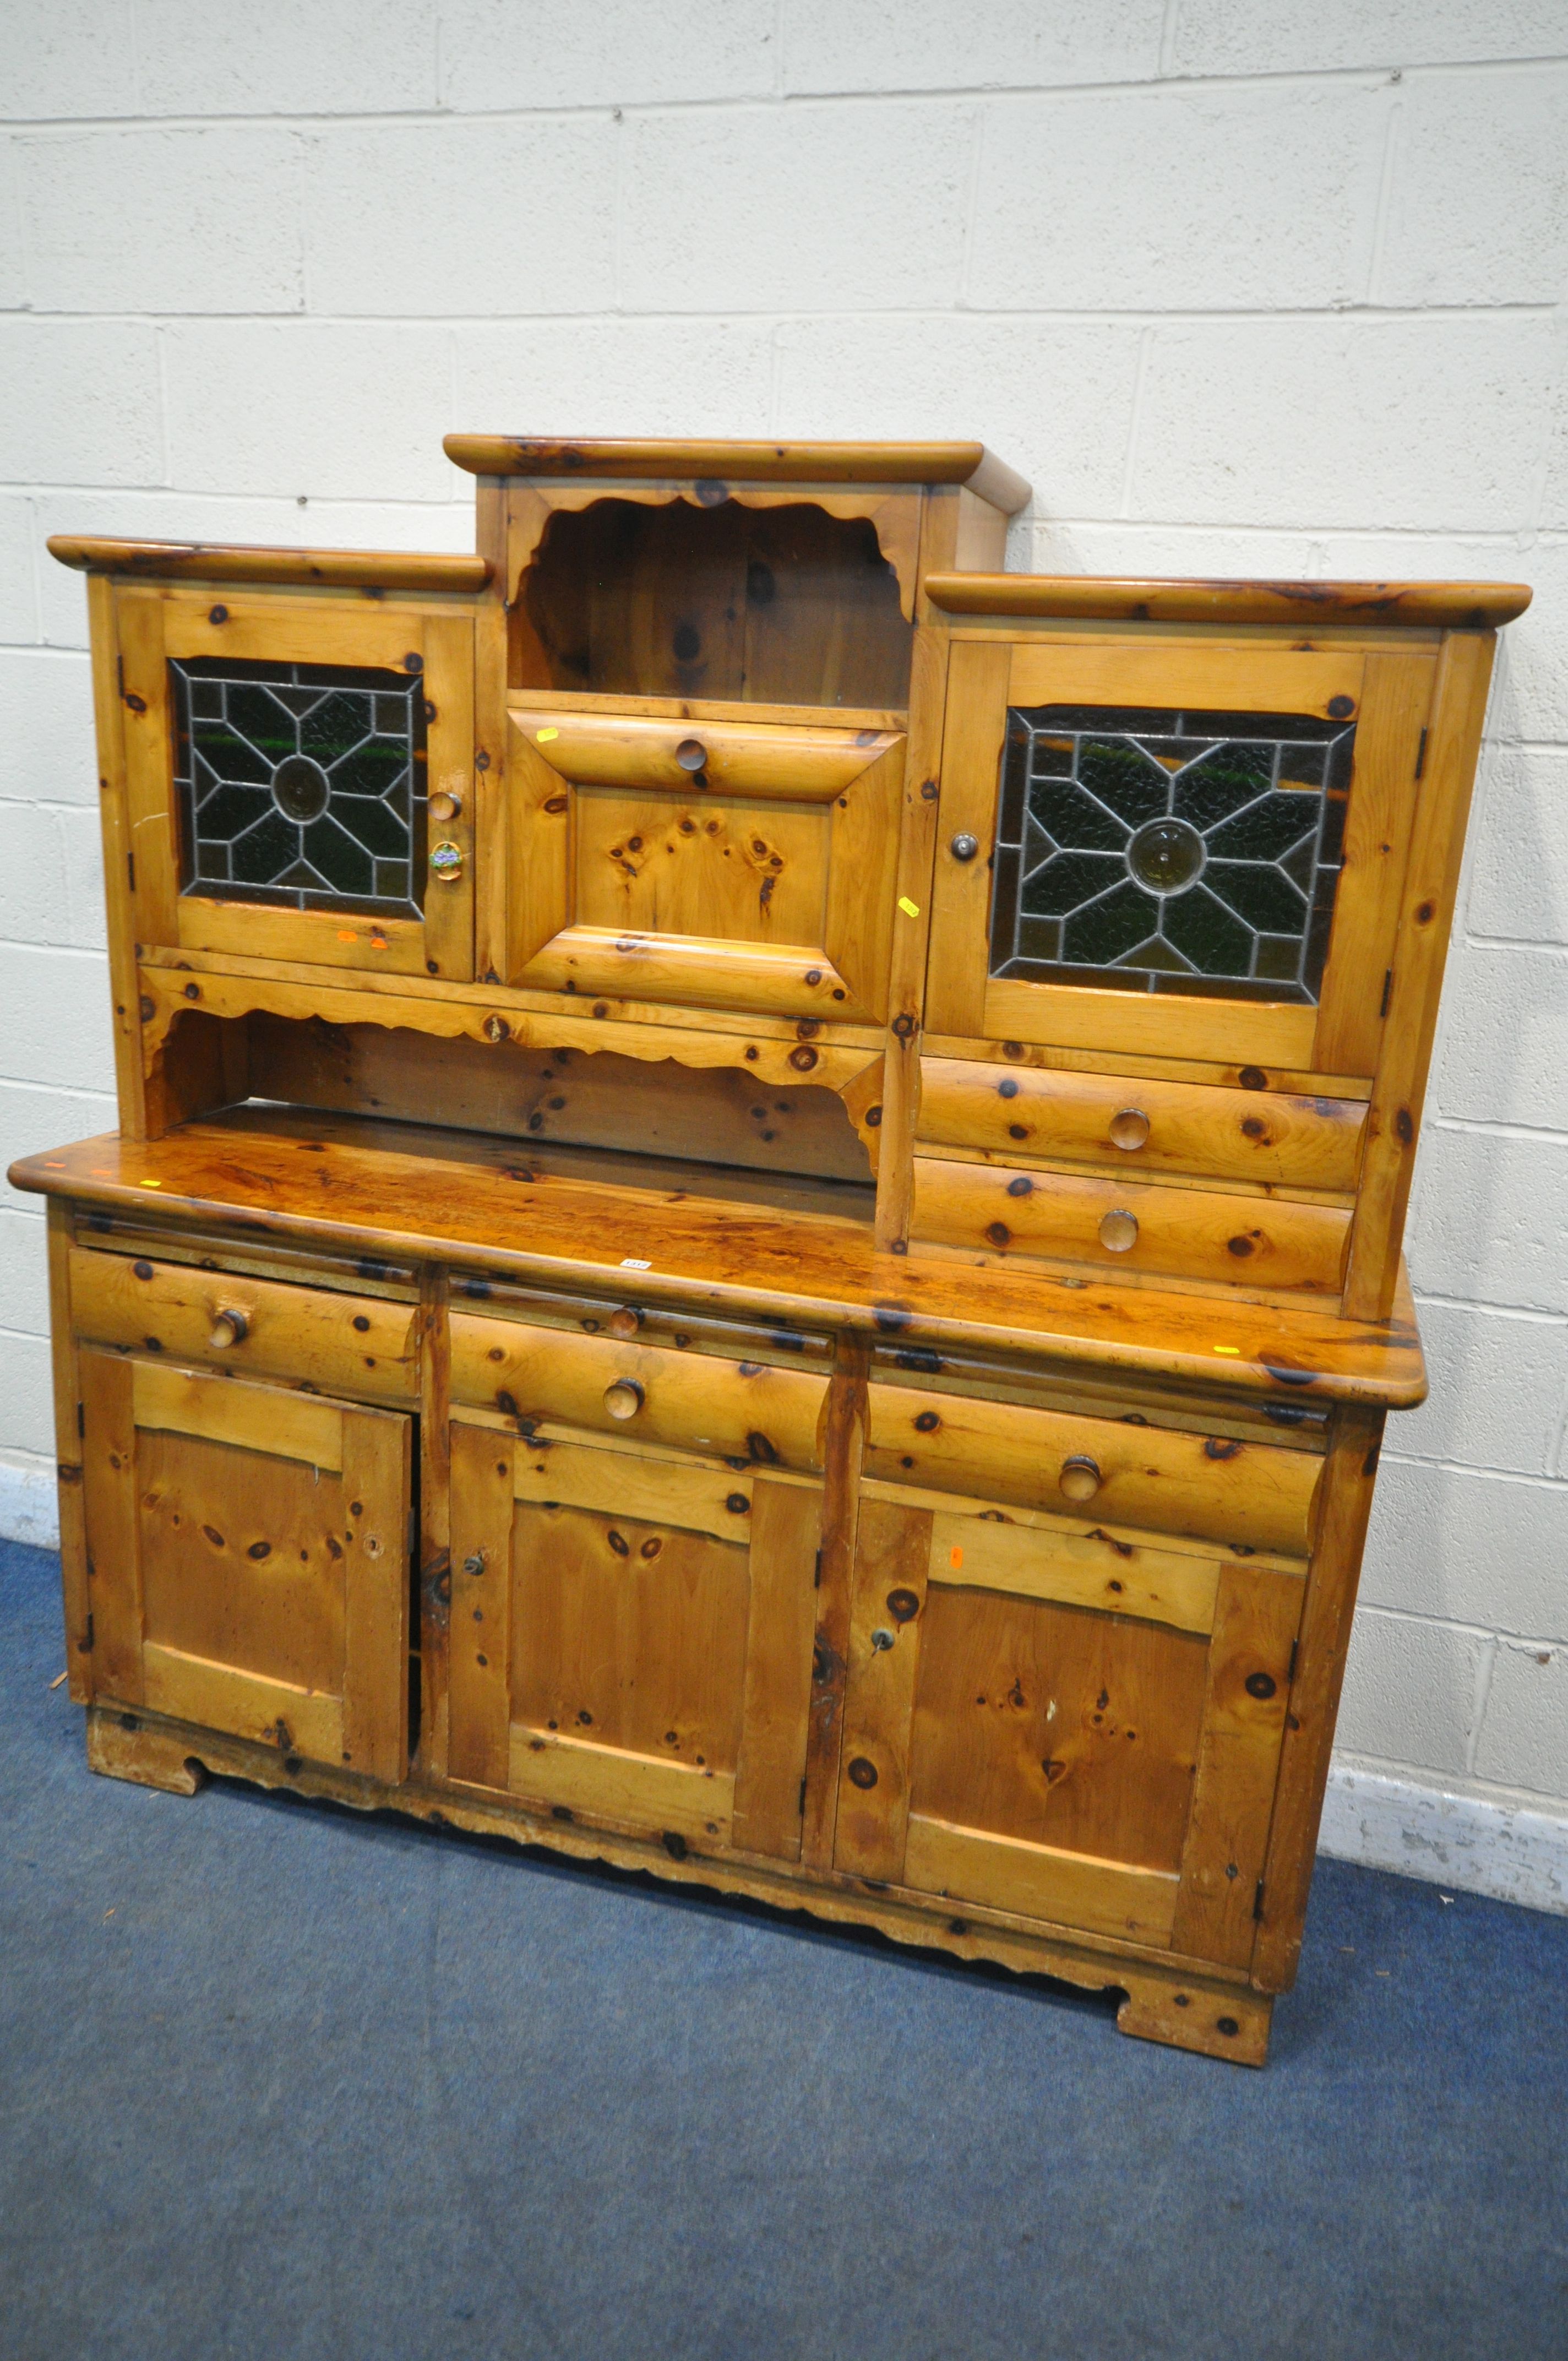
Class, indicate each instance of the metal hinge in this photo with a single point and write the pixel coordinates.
(131, 870)
(1421, 755)
(803, 1799)
(1257, 1901)
(1295, 1651)
(85, 1648)
(80, 1420)
(816, 1573)
(1387, 991)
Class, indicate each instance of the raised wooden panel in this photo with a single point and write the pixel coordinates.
(248, 1559)
(1094, 1569)
(1055, 1725)
(1037, 1881)
(726, 864)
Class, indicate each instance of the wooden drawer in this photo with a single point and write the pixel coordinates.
(1247, 1496)
(650, 1324)
(1260, 1136)
(1165, 1232)
(749, 1411)
(808, 763)
(315, 1337)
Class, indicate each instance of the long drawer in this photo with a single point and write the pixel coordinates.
(807, 762)
(1019, 1114)
(1167, 1232)
(746, 1410)
(1242, 1496)
(362, 1346)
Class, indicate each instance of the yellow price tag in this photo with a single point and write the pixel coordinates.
(910, 909)
(1234, 1351)
(546, 736)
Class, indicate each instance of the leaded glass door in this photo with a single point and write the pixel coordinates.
(299, 779)
(1179, 848)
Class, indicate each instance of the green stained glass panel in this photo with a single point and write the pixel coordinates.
(301, 784)
(1148, 848)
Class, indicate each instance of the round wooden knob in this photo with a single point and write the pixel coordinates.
(229, 1329)
(1080, 1478)
(964, 847)
(623, 1398)
(1130, 1129)
(692, 754)
(446, 804)
(1118, 1231)
(625, 1321)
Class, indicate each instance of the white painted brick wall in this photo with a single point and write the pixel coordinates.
(1242, 285)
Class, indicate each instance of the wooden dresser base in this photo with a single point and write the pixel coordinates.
(1212, 2015)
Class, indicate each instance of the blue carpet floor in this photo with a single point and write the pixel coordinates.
(278, 2081)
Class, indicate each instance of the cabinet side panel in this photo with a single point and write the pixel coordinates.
(786, 1532)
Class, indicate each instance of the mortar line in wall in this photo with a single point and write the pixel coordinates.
(1428, 1303)
(1169, 22)
(1430, 1460)
(657, 315)
(1391, 138)
(1460, 1626)
(972, 205)
(1492, 1127)
(758, 101)
(1134, 419)
(1485, 1666)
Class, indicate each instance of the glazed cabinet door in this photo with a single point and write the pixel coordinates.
(247, 1552)
(632, 1636)
(299, 775)
(723, 864)
(1068, 1726)
(1184, 847)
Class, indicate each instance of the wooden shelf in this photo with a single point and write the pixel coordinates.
(1446, 605)
(215, 560)
(658, 459)
(501, 1207)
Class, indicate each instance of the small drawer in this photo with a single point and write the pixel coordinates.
(742, 1411)
(804, 765)
(313, 1337)
(1247, 1496)
(1148, 1128)
(1264, 1243)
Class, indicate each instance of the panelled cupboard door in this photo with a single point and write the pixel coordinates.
(724, 865)
(299, 778)
(248, 1552)
(631, 1637)
(1079, 1730)
(1183, 848)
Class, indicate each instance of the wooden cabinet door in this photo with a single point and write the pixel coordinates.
(1181, 848)
(1071, 1728)
(299, 778)
(248, 1552)
(631, 1637)
(722, 864)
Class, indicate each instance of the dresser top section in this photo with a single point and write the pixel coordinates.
(217, 561)
(484, 1206)
(712, 468)
(1442, 606)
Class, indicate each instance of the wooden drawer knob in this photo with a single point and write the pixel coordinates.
(1080, 1478)
(625, 1321)
(1118, 1231)
(1130, 1129)
(229, 1329)
(446, 804)
(623, 1398)
(692, 754)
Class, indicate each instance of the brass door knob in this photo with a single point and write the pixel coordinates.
(692, 754)
(623, 1398)
(625, 1321)
(446, 860)
(1118, 1230)
(229, 1329)
(446, 804)
(964, 847)
(1080, 1478)
(1130, 1128)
